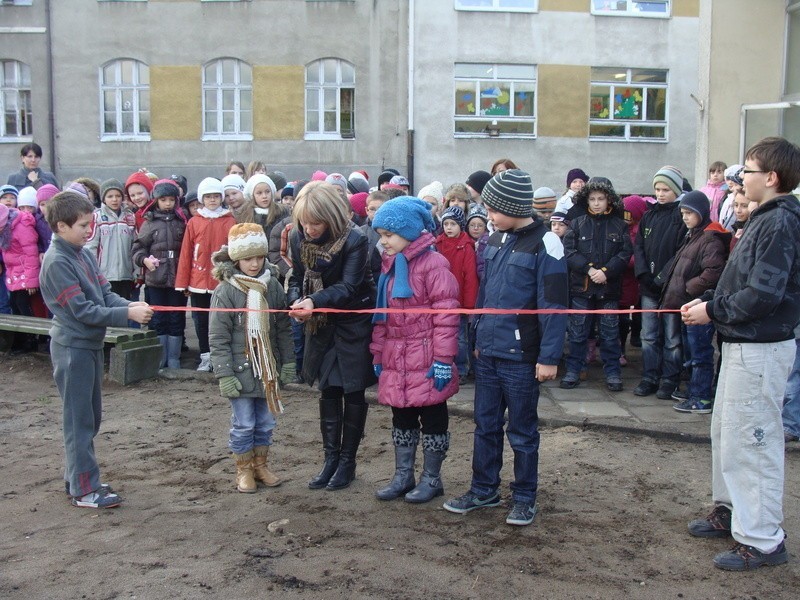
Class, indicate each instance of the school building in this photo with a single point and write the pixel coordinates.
(436, 89)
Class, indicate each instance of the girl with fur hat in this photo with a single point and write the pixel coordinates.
(251, 350)
(156, 249)
(330, 259)
(263, 204)
(413, 353)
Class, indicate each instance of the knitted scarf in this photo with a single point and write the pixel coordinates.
(316, 257)
(401, 288)
(258, 347)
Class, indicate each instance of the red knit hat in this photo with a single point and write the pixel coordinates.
(140, 178)
(358, 202)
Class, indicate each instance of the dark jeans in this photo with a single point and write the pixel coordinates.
(607, 333)
(700, 356)
(499, 385)
(462, 358)
(5, 301)
(299, 335)
(434, 418)
(662, 355)
(168, 323)
(201, 320)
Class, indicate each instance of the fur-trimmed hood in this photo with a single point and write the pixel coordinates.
(224, 268)
(581, 198)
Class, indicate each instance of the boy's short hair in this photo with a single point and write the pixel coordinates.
(394, 193)
(378, 195)
(781, 156)
(717, 165)
(67, 207)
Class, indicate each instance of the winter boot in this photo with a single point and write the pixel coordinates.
(355, 417)
(205, 362)
(260, 470)
(434, 450)
(405, 451)
(330, 424)
(244, 472)
(164, 341)
(174, 351)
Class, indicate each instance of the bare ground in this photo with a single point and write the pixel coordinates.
(612, 521)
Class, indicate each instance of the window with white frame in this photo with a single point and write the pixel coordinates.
(16, 2)
(498, 5)
(791, 87)
(628, 104)
(495, 100)
(632, 8)
(330, 99)
(125, 100)
(227, 100)
(15, 100)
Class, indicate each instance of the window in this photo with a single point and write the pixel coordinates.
(15, 100)
(498, 5)
(330, 99)
(792, 73)
(227, 100)
(16, 2)
(125, 100)
(628, 104)
(495, 100)
(631, 8)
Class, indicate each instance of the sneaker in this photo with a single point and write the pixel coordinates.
(716, 525)
(645, 388)
(744, 558)
(98, 499)
(698, 407)
(665, 390)
(470, 501)
(205, 362)
(679, 395)
(522, 513)
(103, 486)
(614, 383)
(570, 381)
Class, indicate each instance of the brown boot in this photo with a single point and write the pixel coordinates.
(244, 472)
(261, 471)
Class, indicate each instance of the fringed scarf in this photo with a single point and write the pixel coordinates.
(259, 350)
(316, 258)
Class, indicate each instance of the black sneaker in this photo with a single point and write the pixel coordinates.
(645, 388)
(744, 558)
(679, 395)
(570, 381)
(665, 390)
(716, 525)
(698, 407)
(98, 499)
(470, 501)
(522, 513)
(614, 383)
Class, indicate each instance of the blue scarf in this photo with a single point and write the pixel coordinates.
(401, 288)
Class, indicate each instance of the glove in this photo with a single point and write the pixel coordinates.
(378, 370)
(288, 373)
(441, 373)
(229, 386)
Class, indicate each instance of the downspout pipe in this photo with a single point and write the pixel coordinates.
(50, 89)
(410, 125)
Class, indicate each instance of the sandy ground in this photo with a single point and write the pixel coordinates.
(612, 521)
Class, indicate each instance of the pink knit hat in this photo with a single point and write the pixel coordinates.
(319, 176)
(358, 202)
(44, 193)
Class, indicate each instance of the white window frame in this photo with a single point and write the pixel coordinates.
(16, 2)
(238, 88)
(496, 6)
(627, 123)
(22, 92)
(793, 7)
(630, 9)
(138, 88)
(320, 86)
(492, 120)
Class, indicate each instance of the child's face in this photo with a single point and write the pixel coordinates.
(28, 209)
(262, 195)
(558, 227)
(372, 208)
(457, 202)
(664, 195)
(544, 214)
(598, 202)
(288, 200)
(451, 228)
(10, 200)
(212, 201)
(392, 243)
(251, 266)
(78, 233)
(733, 186)
(113, 199)
(500, 221)
(690, 218)
(717, 176)
(193, 208)
(577, 185)
(234, 198)
(138, 195)
(476, 228)
(741, 207)
(166, 203)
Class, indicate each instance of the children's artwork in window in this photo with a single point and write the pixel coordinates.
(628, 103)
(598, 107)
(495, 99)
(621, 111)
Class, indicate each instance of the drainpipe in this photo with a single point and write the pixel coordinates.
(410, 126)
(51, 92)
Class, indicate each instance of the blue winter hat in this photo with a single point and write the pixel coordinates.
(697, 201)
(9, 189)
(406, 216)
(454, 213)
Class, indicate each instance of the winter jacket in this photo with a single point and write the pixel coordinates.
(261, 219)
(460, 253)
(406, 344)
(275, 243)
(661, 232)
(480, 248)
(697, 265)
(630, 285)
(227, 331)
(204, 235)
(161, 236)
(526, 269)
(79, 296)
(375, 250)
(737, 231)
(20, 179)
(757, 298)
(44, 231)
(21, 257)
(111, 240)
(715, 192)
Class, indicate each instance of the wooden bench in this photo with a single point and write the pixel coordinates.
(135, 355)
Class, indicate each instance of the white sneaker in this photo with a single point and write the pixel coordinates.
(205, 362)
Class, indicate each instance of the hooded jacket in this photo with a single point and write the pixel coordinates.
(460, 253)
(204, 235)
(161, 236)
(111, 240)
(661, 232)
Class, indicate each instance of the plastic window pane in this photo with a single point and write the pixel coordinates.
(144, 122)
(598, 130)
(228, 122)
(599, 102)
(329, 70)
(348, 73)
(516, 72)
(143, 74)
(465, 98)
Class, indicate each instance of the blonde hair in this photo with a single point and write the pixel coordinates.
(321, 202)
(254, 166)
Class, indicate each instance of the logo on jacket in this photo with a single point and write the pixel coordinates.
(758, 433)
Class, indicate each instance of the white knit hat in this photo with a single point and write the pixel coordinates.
(209, 185)
(232, 181)
(434, 189)
(250, 187)
(246, 240)
(27, 197)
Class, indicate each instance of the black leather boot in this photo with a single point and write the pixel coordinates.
(330, 424)
(355, 417)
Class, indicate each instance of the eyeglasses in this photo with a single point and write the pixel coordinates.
(746, 171)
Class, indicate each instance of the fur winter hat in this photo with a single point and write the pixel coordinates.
(454, 213)
(27, 197)
(246, 240)
(250, 187)
(209, 185)
(510, 193)
(671, 177)
(406, 216)
(164, 188)
(108, 185)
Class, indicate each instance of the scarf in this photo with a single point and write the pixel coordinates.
(316, 257)
(220, 211)
(401, 288)
(259, 350)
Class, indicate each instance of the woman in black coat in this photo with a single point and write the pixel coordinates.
(330, 261)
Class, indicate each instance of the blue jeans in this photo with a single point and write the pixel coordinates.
(700, 356)
(299, 336)
(462, 358)
(501, 384)
(251, 424)
(5, 301)
(608, 335)
(791, 399)
(661, 344)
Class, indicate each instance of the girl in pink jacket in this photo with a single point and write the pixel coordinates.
(413, 352)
